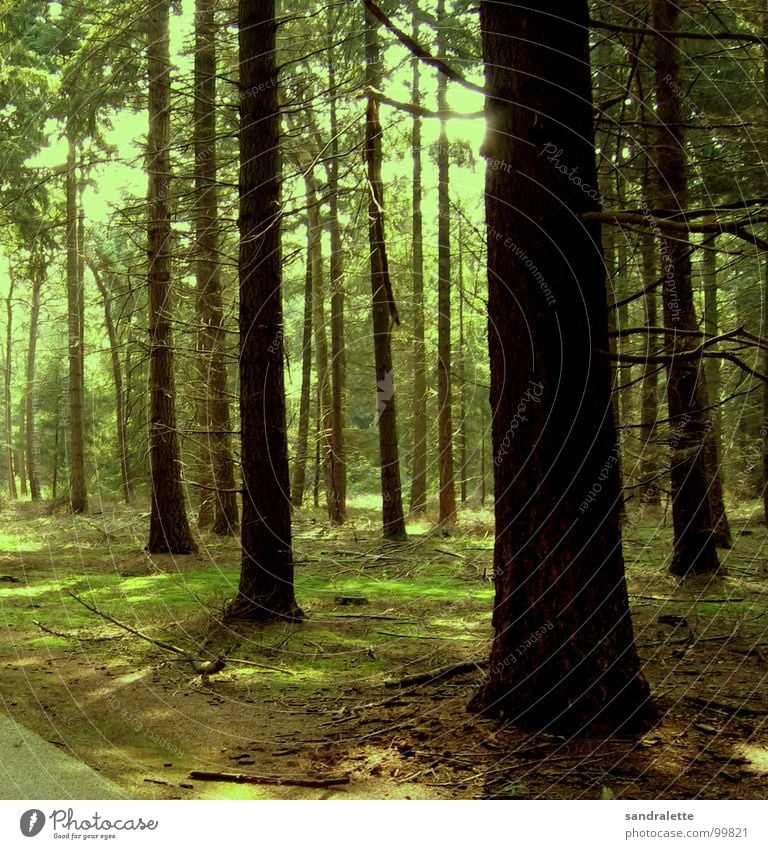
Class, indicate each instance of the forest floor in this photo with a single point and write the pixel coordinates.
(310, 702)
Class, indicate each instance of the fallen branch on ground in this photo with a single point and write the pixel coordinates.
(279, 780)
(437, 674)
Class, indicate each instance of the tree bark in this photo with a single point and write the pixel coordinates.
(266, 589)
(694, 546)
(383, 304)
(462, 377)
(78, 491)
(298, 481)
(419, 469)
(218, 505)
(169, 531)
(37, 274)
(447, 495)
(563, 655)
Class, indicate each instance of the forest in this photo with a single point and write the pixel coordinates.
(385, 397)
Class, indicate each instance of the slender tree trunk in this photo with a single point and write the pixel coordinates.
(21, 449)
(338, 338)
(764, 317)
(419, 470)
(266, 589)
(694, 547)
(218, 505)
(444, 393)
(298, 481)
(711, 389)
(37, 273)
(117, 378)
(650, 467)
(383, 304)
(462, 378)
(77, 482)
(169, 528)
(563, 656)
(56, 440)
(324, 389)
(7, 373)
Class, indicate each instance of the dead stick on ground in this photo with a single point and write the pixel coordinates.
(77, 637)
(437, 674)
(168, 646)
(247, 778)
(159, 643)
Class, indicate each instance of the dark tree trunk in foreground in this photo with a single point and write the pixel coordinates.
(266, 578)
(694, 545)
(78, 491)
(218, 505)
(447, 497)
(563, 656)
(169, 531)
(419, 469)
(299, 476)
(384, 310)
(37, 274)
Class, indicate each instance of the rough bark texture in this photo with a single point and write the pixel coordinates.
(37, 274)
(447, 495)
(383, 305)
(266, 588)
(299, 477)
(218, 504)
(168, 527)
(419, 468)
(117, 377)
(78, 491)
(694, 546)
(563, 656)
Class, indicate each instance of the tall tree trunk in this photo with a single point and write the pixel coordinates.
(650, 467)
(383, 303)
(7, 373)
(563, 656)
(324, 389)
(266, 589)
(298, 481)
(56, 440)
(78, 494)
(444, 394)
(21, 449)
(462, 377)
(117, 378)
(37, 274)
(169, 528)
(419, 469)
(338, 338)
(694, 547)
(218, 505)
(711, 388)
